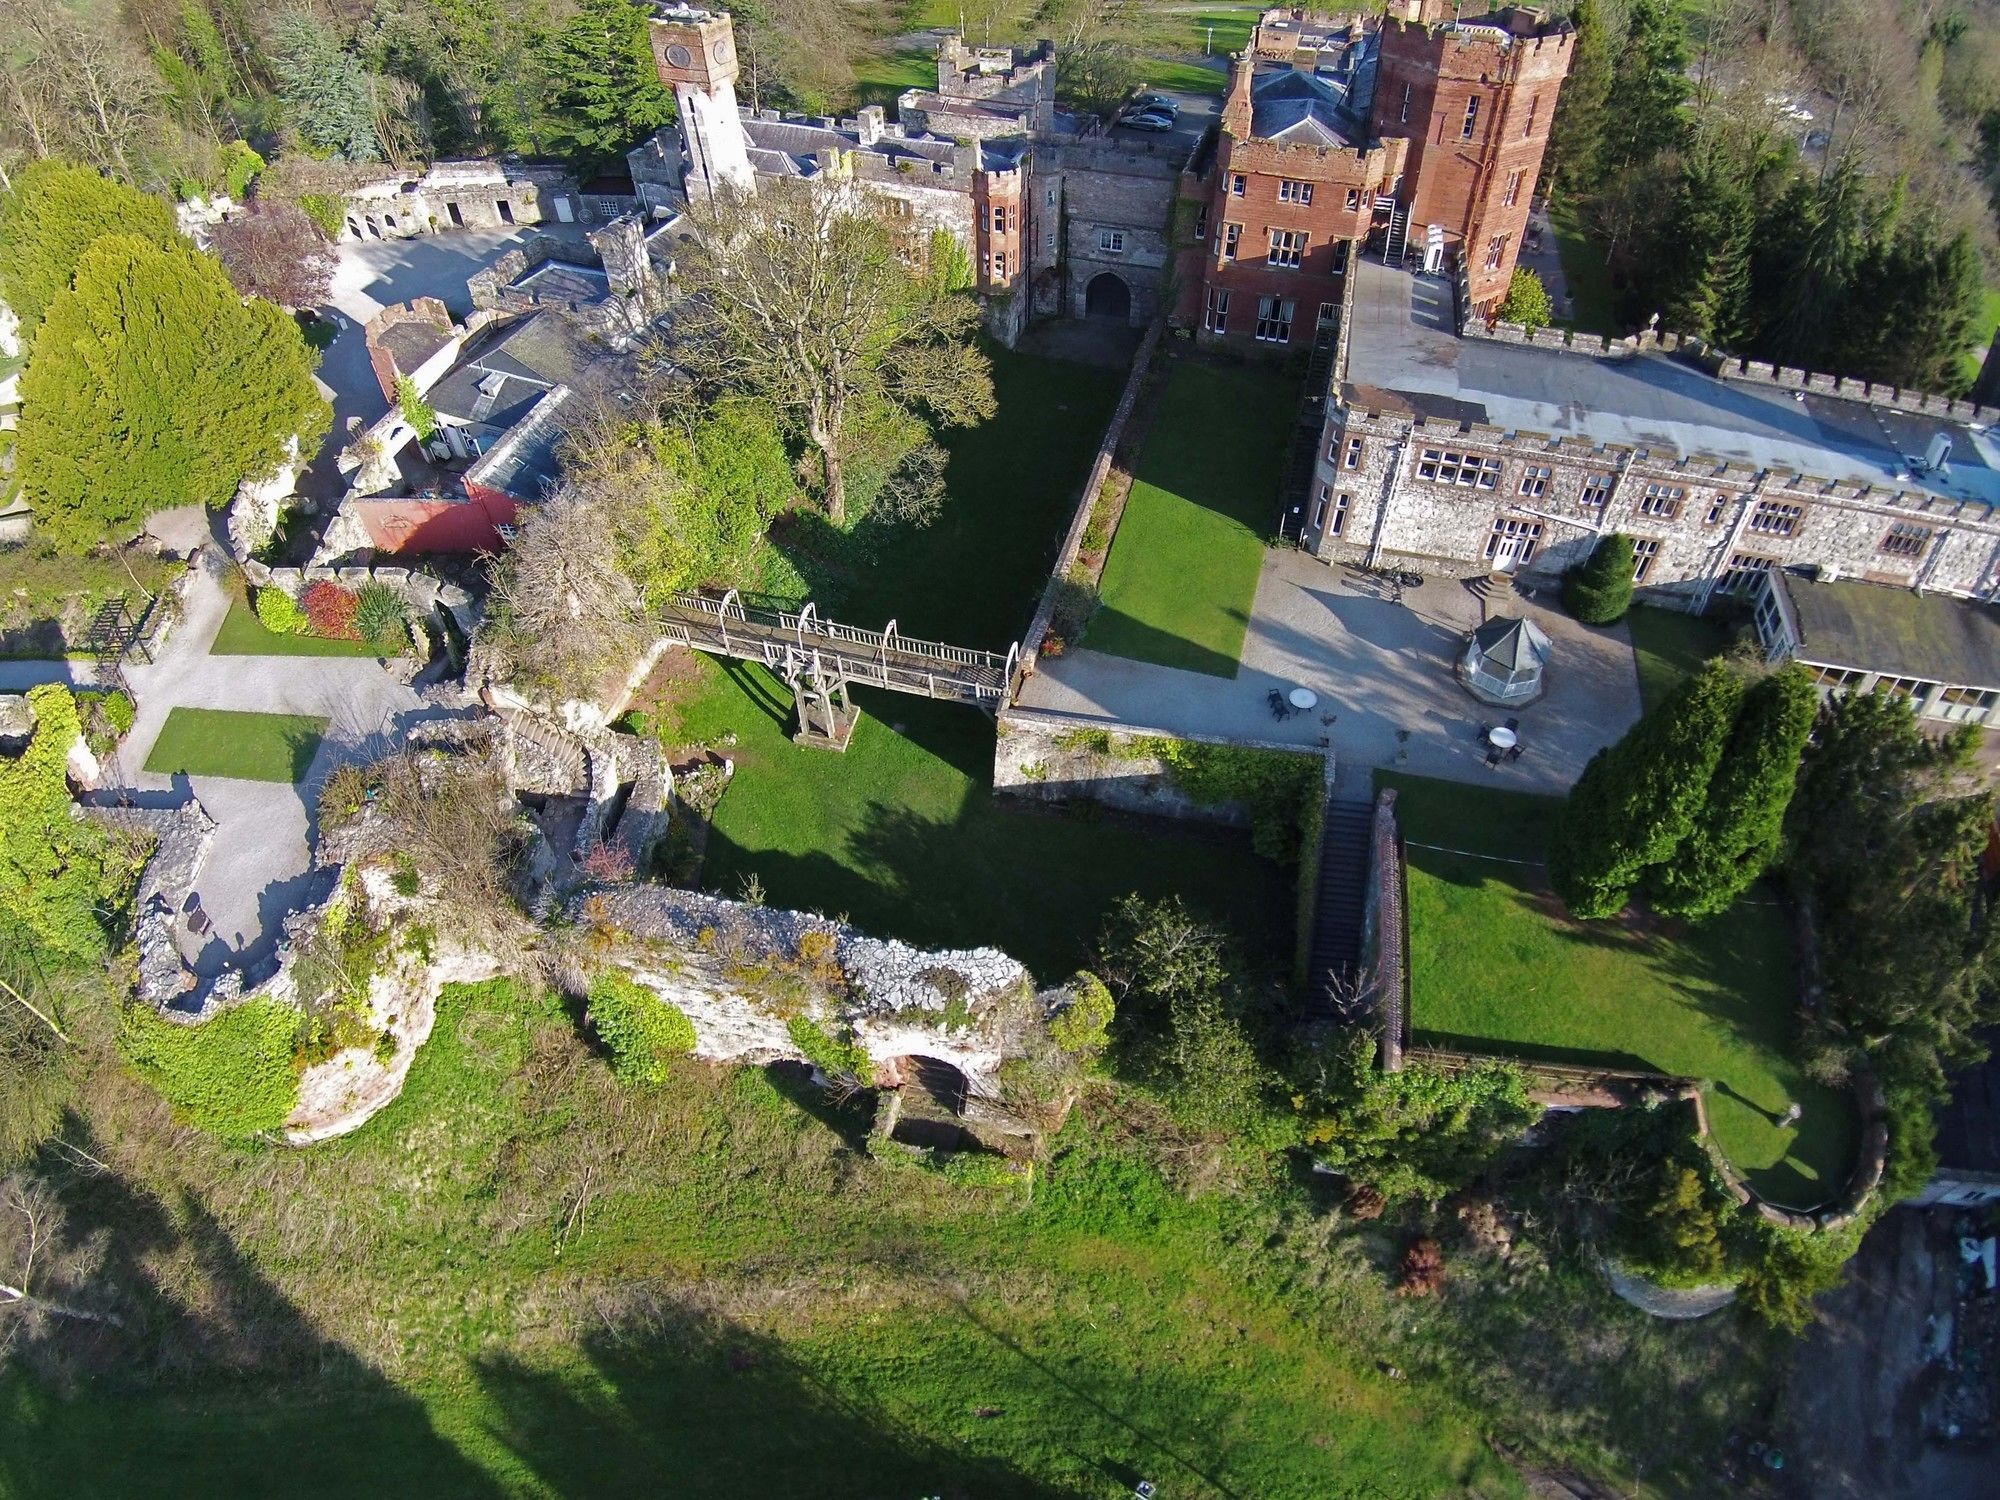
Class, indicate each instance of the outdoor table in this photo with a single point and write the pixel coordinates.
(1501, 738)
(1302, 698)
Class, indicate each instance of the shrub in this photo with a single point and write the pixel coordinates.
(841, 1060)
(240, 166)
(1527, 301)
(279, 613)
(1795, 1267)
(119, 711)
(343, 796)
(330, 611)
(1083, 1026)
(232, 1076)
(379, 618)
(1681, 1239)
(416, 411)
(325, 210)
(1366, 1202)
(1599, 592)
(1421, 1270)
(642, 1032)
(55, 874)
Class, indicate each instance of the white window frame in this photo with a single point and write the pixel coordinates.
(1906, 539)
(1464, 470)
(1512, 528)
(1645, 552)
(1293, 190)
(1288, 249)
(1470, 125)
(1596, 490)
(1274, 319)
(1662, 500)
(1215, 310)
(1351, 458)
(1232, 239)
(1513, 193)
(1237, 182)
(1535, 481)
(1777, 518)
(1111, 241)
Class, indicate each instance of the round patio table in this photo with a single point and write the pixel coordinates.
(1501, 739)
(1302, 698)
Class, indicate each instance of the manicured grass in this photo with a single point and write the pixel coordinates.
(1669, 646)
(1182, 575)
(1496, 966)
(1982, 331)
(1594, 308)
(882, 77)
(902, 834)
(748, 1306)
(248, 747)
(1181, 75)
(243, 634)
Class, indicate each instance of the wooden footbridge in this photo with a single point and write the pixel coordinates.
(820, 659)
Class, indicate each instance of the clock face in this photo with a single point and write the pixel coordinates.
(721, 49)
(679, 56)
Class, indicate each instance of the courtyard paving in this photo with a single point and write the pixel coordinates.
(1383, 673)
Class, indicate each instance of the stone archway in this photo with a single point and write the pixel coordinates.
(1107, 296)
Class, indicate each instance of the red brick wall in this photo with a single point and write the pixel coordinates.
(999, 191)
(1456, 182)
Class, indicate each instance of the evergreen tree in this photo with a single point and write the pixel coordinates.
(1637, 801)
(1814, 241)
(1911, 310)
(1600, 590)
(1576, 140)
(1643, 114)
(1737, 831)
(325, 89)
(155, 385)
(605, 89)
(50, 216)
(1706, 288)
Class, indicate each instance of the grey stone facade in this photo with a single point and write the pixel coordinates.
(461, 195)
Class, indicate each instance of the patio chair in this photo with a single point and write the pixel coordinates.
(1484, 730)
(1513, 753)
(1513, 723)
(1280, 709)
(1492, 760)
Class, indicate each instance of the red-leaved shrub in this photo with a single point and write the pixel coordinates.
(1422, 1269)
(330, 611)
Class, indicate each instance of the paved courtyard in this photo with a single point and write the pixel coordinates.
(1382, 670)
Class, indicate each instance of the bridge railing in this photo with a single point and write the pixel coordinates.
(805, 625)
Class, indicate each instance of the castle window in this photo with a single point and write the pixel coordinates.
(1231, 233)
(1336, 522)
(1111, 241)
(1329, 314)
(1535, 481)
(1496, 251)
(1287, 246)
(1662, 500)
(1351, 459)
(1529, 129)
(1404, 117)
(1513, 188)
(1215, 312)
(1466, 470)
(1519, 537)
(1744, 571)
(1290, 190)
(999, 220)
(1596, 489)
(1645, 551)
(1774, 519)
(1715, 510)
(1201, 221)
(1353, 199)
(1049, 240)
(999, 265)
(1905, 540)
(1236, 184)
(1274, 320)
(1471, 119)
(1050, 196)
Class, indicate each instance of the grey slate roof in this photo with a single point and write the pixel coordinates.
(1505, 642)
(506, 369)
(1298, 109)
(1879, 628)
(1402, 342)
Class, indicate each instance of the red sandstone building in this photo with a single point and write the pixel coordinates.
(1338, 132)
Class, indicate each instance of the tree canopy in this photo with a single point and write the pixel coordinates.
(606, 91)
(53, 212)
(53, 869)
(273, 250)
(805, 298)
(154, 386)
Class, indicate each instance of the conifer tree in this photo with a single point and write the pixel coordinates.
(1599, 592)
(1638, 800)
(155, 385)
(1643, 113)
(606, 92)
(50, 216)
(1737, 832)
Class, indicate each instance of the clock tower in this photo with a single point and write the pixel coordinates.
(695, 51)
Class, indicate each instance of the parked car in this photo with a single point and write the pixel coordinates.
(1148, 122)
(1154, 103)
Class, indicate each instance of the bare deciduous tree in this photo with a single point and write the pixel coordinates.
(803, 294)
(566, 610)
(272, 250)
(454, 820)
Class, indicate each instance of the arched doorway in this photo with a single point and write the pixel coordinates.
(1107, 296)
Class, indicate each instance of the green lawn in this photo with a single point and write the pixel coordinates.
(1982, 331)
(1182, 575)
(249, 747)
(1594, 307)
(243, 634)
(1496, 966)
(1669, 646)
(749, 1307)
(903, 836)
(882, 77)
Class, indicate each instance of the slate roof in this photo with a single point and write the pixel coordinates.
(507, 368)
(1298, 109)
(414, 342)
(1880, 628)
(1510, 644)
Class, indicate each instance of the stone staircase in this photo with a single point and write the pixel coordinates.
(1341, 895)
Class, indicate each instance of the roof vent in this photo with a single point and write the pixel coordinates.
(490, 387)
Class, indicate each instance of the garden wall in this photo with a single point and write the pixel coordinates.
(1385, 932)
(419, 591)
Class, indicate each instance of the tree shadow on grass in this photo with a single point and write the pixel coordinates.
(681, 1401)
(1116, 633)
(187, 1379)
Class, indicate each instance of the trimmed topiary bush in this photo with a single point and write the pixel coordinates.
(643, 1033)
(1599, 592)
(279, 613)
